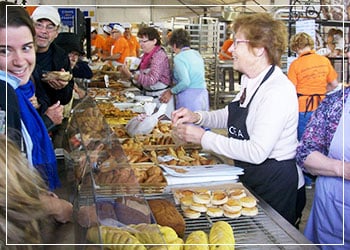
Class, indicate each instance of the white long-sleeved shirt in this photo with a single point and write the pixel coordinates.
(271, 122)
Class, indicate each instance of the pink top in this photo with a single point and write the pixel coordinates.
(158, 71)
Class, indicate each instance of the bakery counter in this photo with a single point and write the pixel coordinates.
(265, 228)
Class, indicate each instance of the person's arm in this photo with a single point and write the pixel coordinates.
(113, 57)
(272, 115)
(314, 145)
(317, 163)
(332, 85)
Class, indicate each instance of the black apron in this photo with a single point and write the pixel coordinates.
(274, 181)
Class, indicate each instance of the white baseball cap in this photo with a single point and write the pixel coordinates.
(92, 29)
(127, 25)
(107, 29)
(47, 12)
(118, 27)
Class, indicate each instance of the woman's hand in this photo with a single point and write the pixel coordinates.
(125, 71)
(165, 96)
(184, 115)
(190, 133)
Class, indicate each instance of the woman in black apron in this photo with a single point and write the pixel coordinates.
(263, 145)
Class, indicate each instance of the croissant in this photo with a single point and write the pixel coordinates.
(111, 235)
(221, 236)
(194, 239)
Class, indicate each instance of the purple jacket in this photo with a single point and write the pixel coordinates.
(159, 70)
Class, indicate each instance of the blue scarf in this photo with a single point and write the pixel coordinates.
(43, 154)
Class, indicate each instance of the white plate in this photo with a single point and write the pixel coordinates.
(142, 98)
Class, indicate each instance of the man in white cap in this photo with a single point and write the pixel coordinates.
(97, 42)
(107, 46)
(51, 57)
(134, 45)
(120, 48)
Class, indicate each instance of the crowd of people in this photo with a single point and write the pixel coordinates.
(277, 126)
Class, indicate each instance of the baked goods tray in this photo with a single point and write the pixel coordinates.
(129, 178)
(266, 230)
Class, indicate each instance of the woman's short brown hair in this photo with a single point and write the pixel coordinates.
(262, 30)
(151, 33)
(300, 41)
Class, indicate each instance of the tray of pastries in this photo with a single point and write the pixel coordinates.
(147, 176)
(227, 200)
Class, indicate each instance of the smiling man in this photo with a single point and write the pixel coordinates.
(50, 57)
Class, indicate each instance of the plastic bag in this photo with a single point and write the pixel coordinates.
(144, 124)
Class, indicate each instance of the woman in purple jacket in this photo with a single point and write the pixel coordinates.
(153, 76)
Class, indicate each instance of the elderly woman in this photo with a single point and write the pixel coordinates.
(262, 119)
(154, 71)
(323, 151)
(188, 74)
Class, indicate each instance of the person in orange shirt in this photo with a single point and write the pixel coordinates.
(97, 42)
(134, 45)
(107, 46)
(120, 47)
(225, 55)
(313, 76)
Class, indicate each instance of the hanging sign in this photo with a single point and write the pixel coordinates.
(67, 16)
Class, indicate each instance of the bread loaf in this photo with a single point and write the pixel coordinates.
(166, 214)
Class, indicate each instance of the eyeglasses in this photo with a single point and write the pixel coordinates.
(49, 28)
(144, 41)
(238, 41)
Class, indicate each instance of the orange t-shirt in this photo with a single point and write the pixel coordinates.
(133, 45)
(106, 49)
(310, 73)
(121, 46)
(98, 41)
(224, 48)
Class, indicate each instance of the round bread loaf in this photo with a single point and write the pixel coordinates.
(215, 211)
(248, 201)
(198, 207)
(202, 198)
(232, 206)
(236, 193)
(186, 201)
(232, 215)
(219, 198)
(249, 211)
(189, 213)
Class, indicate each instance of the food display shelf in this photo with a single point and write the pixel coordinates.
(267, 230)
